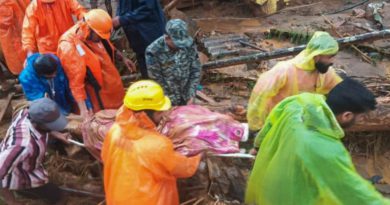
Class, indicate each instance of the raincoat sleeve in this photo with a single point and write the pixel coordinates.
(75, 69)
(30, 23)
(328, 81)
(144, 10)
(267, 87)
(194, 73)
(154, 69)
(336, 175)
(6, 20)
(178, 165)
(77, 9)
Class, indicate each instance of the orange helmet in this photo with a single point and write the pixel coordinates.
(100, 22)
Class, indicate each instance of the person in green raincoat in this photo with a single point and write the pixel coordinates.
(302, 160)
(307, 72)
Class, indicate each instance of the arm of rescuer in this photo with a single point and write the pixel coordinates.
(128, 63)
(176, 164)
(154, 68)
(77, 9)
(194, 78)
(6, 21)
(30, 23)
(261, 101)
(75, 69)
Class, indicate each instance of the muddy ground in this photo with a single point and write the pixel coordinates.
(230, 86)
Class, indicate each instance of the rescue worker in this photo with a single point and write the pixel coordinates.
(44, 76)
(310, 71)
(88, 60)
(302, 159)
(46, 21)
(23, 150)
(140, 165)
(143, 22)
(173, 62)
(11, 21)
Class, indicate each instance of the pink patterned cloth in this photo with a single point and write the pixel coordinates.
(191, 128)
(194, 128)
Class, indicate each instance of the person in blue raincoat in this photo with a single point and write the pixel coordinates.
(44, 76)
(143, 22)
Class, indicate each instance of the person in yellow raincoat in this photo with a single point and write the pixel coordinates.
(46, 21)
(302, 160)
(88, 59)
(308, 72)
(11, 21)
(269, 6)
(140, 165)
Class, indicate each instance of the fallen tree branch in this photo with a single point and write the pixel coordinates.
(171, 5)
(293, 50)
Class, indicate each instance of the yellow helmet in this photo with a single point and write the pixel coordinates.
(100, 22)
(146, 95)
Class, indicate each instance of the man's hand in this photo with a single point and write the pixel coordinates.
(84, 111)
(29, 53)
(130, 65)
(64, 137)
(190, 101)
(253, 151)
(115, 22)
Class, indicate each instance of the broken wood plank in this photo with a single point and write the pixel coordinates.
(293, 50)
(171, 5)
(252, 46)
(225, 46)
(6, 105)
(214, 41)
(206, 98)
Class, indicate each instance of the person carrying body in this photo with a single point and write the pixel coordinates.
(302, 159)
(309, 71)
(22, 152)
(44, 76)
(173, 62)
(88, 59)
(140, 165)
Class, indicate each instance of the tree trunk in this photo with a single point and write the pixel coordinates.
(378, 120)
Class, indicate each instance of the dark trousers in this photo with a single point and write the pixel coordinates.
(142, 65)
(48, 192)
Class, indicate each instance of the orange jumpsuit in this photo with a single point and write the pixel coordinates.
(46, 21)
(140, 165)
(11, 21)
(76, 54)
